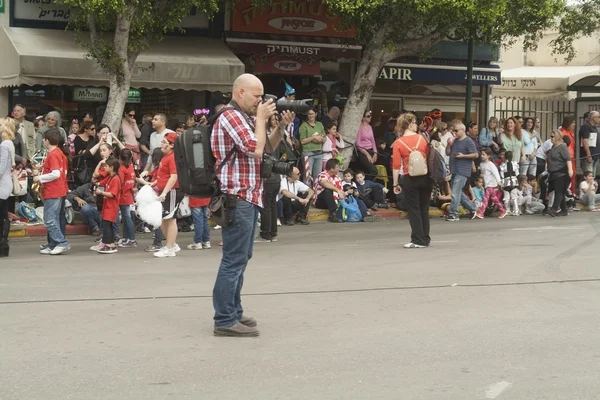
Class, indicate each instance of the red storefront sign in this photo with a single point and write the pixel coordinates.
(286, 66)
(296, 17)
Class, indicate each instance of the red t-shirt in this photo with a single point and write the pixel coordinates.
(56, 160)
(165, 169)
(198, 202)
(127, 176)
(110, 206)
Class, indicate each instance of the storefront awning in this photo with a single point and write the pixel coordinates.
(52, 57)
(550, 83)
(295, 46)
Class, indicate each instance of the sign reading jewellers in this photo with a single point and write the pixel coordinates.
(433, 75)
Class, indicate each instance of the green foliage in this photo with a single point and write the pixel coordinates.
(102, 24)
(400, 21)
(580, 20)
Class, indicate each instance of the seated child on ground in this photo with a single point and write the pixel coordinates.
(587, 192)
(372, 193)
(525, 197)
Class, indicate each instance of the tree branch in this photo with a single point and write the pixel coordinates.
(93, 31)
(415, 45)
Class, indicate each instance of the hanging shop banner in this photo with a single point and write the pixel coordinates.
(296, 17)
(134, 96)
(435, 75)
(287, 66)
(97, 95)
(294, 49)
(41, 10)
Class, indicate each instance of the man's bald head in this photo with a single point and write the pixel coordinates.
(334, 112)
(246, 81)
(247, 92)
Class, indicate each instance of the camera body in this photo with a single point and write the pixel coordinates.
(271, 165)
(296, 106)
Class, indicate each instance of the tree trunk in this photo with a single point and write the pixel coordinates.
(372, 61)
(120, 73)
(117, 98)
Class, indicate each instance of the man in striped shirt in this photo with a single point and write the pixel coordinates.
(240, 178)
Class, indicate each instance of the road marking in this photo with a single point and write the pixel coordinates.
(550, 228)
(496, 389)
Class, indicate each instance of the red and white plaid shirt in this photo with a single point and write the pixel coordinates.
(334, 180)
(241, 175)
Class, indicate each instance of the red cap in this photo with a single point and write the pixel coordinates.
(170, 137)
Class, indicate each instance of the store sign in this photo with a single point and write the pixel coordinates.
(423, 74)
(98, 95)
(41, 10)
(135, 96)
(297, 17)
(287, 66)
(49, 10)
(293, 50)
(2, 6)
(519, 83)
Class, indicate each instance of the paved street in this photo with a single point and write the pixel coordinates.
(494, 309)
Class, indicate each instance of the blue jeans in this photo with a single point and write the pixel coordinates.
(201, 227)
(128, 229)
(158, 237)
(55, 222)
(459, 196)
(238, 241)
(91, 216)
(315, 163)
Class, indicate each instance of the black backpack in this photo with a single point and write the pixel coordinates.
(195, 161)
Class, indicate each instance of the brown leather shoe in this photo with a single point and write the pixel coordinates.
(248, 321)
(237, 330)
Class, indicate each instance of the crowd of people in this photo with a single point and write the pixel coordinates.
(503, 169)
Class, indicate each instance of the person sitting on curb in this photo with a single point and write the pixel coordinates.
(296, 198)
(588, 189)
(328, 189)
(372, 193)
(83, 200)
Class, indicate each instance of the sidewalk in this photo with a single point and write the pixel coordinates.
(315, 215)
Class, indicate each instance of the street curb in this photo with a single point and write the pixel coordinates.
(22, 230)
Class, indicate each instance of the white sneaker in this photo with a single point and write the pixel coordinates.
(206, 245)
(176, 248)
(59, 250)
(165, 252)
(45, 250)
(147, 230)
(411, 245)
(97, 247)
(195, 246)
(217, 227)
(278, 222)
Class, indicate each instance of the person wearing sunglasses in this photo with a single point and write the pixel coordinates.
(366, 146)
(131, 134)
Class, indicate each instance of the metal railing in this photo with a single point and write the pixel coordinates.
(550, 112)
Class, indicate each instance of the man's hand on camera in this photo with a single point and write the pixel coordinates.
(265, 110)
(287, 117)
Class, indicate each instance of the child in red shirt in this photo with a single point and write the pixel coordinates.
(127, 176)
(110, 209)
(156, 158)
(200, 215)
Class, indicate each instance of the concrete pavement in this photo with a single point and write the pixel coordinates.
(494, 309)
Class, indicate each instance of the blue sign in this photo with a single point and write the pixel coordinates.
(432, 75)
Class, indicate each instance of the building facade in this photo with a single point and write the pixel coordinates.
(45, 69)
